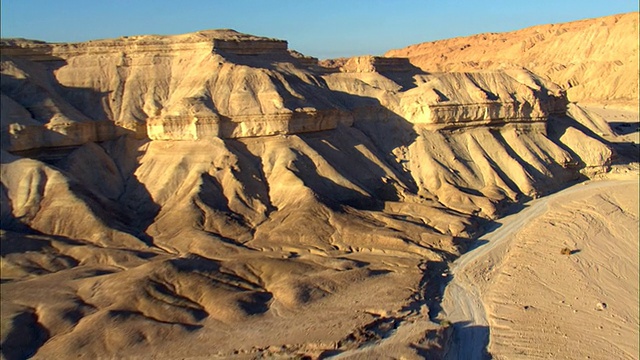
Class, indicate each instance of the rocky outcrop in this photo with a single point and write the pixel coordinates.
(488, 99)
(33, 113)
(228, 41)
(222, 84)
(209, 127)
(376, 64)
(20, 137)
(305, 61)
(449, 100)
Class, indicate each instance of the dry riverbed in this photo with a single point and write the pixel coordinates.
(540, 302)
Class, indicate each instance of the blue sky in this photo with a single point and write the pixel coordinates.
(321, 28)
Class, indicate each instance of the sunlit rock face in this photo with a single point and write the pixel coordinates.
(377, 64)
(221, 83)
(224, 83)
(458, 99)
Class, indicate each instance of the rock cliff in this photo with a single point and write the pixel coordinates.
(376, 64)
(441, 100)
(229, 85)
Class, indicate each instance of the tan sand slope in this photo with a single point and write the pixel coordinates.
(582, 305)
(517, 294)
(274, 228)
(491, 297)
(595, 60)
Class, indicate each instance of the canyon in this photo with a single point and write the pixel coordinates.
(218, 195)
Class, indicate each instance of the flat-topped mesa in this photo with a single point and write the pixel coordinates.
(377, 64)
(214, 83)
(304, 60)
(220, 41)
(242, 44)
(452, 100)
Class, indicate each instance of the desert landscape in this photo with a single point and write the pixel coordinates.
(218, 195)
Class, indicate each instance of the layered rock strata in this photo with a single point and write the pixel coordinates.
(150, 85)
(376, 64)
(223, 40)
(214, 126)
(451, 100)
(220, 83)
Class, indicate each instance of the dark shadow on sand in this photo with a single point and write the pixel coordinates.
(469, 342)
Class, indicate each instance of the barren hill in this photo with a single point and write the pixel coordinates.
(213, 194)
(595, 60)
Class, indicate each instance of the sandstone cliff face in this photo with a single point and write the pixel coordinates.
(458, 99)
(186, 192)
(223, 40)
(376, 64)
(229, 85)
(211, 78)
(594, 60)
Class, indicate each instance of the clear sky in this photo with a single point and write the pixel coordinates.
(321, 28)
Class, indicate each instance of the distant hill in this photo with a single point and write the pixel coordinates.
(595, 60)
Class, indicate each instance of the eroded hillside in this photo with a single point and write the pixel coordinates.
(594, 60)
(176, 196)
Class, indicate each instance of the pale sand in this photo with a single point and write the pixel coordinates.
(542, 304)
(508, 293)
